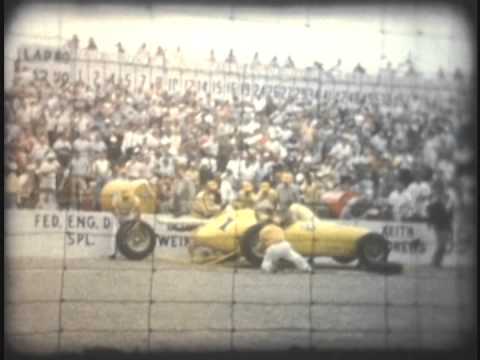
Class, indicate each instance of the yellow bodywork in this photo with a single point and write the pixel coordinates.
(309, 236)
(140, 188)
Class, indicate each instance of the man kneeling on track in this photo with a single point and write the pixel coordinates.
(272, 238)
(126, 208)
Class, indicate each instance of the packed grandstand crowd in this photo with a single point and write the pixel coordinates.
(65, 141)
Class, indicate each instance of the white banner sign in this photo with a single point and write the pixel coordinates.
(75, 234)
(415, 243)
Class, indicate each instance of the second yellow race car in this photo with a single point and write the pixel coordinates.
(308, 235)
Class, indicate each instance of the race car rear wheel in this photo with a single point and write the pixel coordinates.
(250, 245)
(135, 240)
(373, 250)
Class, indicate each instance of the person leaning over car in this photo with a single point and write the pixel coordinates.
(272, 239)
(205, 204)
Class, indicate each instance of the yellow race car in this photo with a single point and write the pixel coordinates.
(308, 235)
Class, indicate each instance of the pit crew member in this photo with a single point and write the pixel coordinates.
(205, 204)
(272, 238)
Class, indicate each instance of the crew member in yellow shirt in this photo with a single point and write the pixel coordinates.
(206, 204)
(272, 238)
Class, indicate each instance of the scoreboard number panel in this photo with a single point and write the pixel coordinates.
(46, 63)
(127, 75)
(96, 72)
(112, 70)
(158, 77)
(143, 76)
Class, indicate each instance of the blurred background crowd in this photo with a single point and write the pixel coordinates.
(379, 156)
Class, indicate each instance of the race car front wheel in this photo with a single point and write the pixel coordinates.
(373, 251)
(250, 245)
(135, 240)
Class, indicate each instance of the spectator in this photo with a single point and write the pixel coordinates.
(420, 192)
(227, 193)
(165, 194)
(250, 167)
(287, 193)
(246, 198)
(40, 149)
(120, 50)
(211, 59)
(63, 149)
(79, 170)
(82, 145)
(133, 138)
(73, 43)
(136, 167)
(231, 59)
(12, 186)
(359, 69)
(101, 173)
(178, 59)
(289, 63)
(47, 174)
(205, 204)
(183, 193)
(164, 165)
(440, 218)
(92, 46)
(400, 199)
(97, 144)
(267, 194)
(263, 136)
(255, 61)
(274, 62)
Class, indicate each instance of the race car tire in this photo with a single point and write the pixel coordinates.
(135, 240)
(373, 251)
(344, 259)
(248, 243)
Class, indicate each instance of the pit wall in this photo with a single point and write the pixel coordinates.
(81, 234)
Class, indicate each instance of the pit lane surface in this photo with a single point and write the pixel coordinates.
(106, 303)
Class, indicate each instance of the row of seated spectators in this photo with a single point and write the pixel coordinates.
(65, 141)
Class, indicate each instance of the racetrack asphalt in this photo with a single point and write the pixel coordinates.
(153, 305)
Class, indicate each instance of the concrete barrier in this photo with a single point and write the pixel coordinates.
(80, 234)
